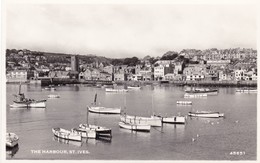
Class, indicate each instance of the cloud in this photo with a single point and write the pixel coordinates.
(135, 30)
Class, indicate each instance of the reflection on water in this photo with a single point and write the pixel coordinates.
(69, 142)
(10, 152)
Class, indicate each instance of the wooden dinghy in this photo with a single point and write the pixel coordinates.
(135, 127)
(66, 134)
(206, 114)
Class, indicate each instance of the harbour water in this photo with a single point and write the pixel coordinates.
(230, 138)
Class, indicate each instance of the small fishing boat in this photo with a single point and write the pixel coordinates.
(101, 109)
(116, 90)
(135, 127)
(22, 102)
(152, 121)
(100, 131)
(51, 96)
(49, 88)
(187, 95)
(173, 119)
(202, 90)
(11, 140)
(134, 87)
(85, 133)
(66, 134)
(206, 114)
(104, 110)
(184, 102)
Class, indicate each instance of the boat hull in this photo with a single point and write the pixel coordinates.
(135, 127)
(85, 133)
(100, 131)
(33, 104)
(53, 96)
(116, 90)
(206, 115)
(197, 95)
(203, 91)
(65, 134)
(104, 110)
(184, 102)
(152, 121)
(129, 87)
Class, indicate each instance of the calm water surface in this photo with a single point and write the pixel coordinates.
(215, 139)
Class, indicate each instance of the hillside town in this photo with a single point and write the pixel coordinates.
(238, 64)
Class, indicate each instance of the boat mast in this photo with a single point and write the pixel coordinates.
(19, 89)
(95, 99)
(87, 116)
(152, 104)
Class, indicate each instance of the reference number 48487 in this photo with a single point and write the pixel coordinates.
(237, 153)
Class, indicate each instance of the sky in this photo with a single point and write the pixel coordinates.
(119, 31)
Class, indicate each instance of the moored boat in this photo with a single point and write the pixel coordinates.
(29, 104)
(206, 114)
(202, 90)
(104, 110)
(184, 102)
(116, 90)
(85, 133)
(135, 127)
(173, 119)
(22, 102)
(100, 131)
(66, 134)
(101, 109)
(133, 87)
(53, 96)
(187, 95)
(11, 140)
(153, 121)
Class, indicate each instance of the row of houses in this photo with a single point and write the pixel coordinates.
(164, 70)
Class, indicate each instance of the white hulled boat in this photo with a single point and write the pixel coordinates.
(66, 134)
(152, 121)
(116, 90)
(51, 96)
(184, 102)
(206, 114)
(103, 110)
(134, 87)
(203, 91)
(187, 95)
(22, 102)
(85, 133)
(135, 127)
(173, 119)
(100, 131)
(11, 140)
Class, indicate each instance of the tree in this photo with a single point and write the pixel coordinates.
(131, 61)
(170, 55)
